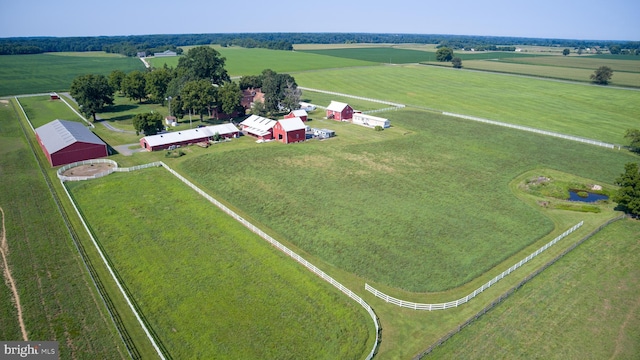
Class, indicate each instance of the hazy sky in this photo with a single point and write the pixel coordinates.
(563, 19)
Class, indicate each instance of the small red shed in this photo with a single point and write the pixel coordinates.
(339, 111)
(300, 113)
(64, 142)
(289, 130)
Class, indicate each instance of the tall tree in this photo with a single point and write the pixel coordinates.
(444, 54)
(628, 196)
(134, 85)
(602, 75)
(292, 96)
(203, 62)
(156, 84)
(456, 62)
(273, 87)
(198, 96)
(566, 52)
(230, 97)
(115, 80)
(148, 123)
(92, 93)
(634, 139)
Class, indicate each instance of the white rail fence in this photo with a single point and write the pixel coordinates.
(456, 303)
(534, 130)
(353, 97)
(231, 213)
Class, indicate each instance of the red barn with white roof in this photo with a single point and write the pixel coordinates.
(339, 111)
(300, 113)
(289, 130)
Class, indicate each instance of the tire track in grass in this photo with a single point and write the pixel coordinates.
(4, 250)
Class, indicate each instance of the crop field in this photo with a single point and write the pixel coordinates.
(43, 73)
(622, 64)
(431, 194)
(241, 61)
(58, 300)
(587, 303)
(555, 72)
(204, 280)
(589, 111)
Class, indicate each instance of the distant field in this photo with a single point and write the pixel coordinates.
(626, 63)
(547, 71)
(589, 111)
(422, 206)
(391, 55)
(242, 61)
(209, 287)
(584, 306)
(29, 74)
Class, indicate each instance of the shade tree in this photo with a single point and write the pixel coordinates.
(92, 93)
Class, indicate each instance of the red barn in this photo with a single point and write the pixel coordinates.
(64, 142)
(300, 113)
(258, 126)
(289, 130)
(188, 137)
(339, 111)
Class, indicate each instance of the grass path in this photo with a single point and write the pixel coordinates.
(4, 251)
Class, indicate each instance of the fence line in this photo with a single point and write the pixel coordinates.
(75, 111)
(114, 276)
(464, 300)
(229, 212)
(287, 251)
(353, 96)
(534, 130)
(25, 114)
(115, 168)
(512, 290)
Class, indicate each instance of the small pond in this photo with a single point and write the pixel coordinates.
(573, 196)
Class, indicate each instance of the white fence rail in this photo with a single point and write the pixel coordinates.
(231, 213)
(534, 130)
(456, 303)
(353, 97)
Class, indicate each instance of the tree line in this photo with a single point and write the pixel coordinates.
(131, 45)
(198, 86)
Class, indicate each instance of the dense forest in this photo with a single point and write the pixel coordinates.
(132, 45)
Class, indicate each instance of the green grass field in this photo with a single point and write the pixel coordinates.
(58, 299)
(624, 63)
(225, 293)
(43, 73)
(423, 206)
(584, 305)
(241, 61)
(589, 111)
(41, 110)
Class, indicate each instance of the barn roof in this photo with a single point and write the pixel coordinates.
(292, 124)
(189, 135)
(258, 125)
(299, 113)
(337, 106)
(59, 134)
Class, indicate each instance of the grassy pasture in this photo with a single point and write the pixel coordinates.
(210, 287)
(428, 196)
(623, 64)
(242, 61)
(41, 110)
(585, 305)
(42, 73)
(58, 299)
(589, 111)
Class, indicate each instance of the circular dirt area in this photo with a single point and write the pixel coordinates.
(88, 170)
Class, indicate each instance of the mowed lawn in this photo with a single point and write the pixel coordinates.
(208, 286)
(593, 112)
(42, 73)
(422, 206)
(58, 299)
(584, 306)
(41, 110)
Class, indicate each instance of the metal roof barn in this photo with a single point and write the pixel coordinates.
(339, 111)
(258, 126)
(186, 137)
(64, 142)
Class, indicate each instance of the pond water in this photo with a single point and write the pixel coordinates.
(573, 196)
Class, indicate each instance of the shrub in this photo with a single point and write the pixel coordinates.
(378, 128)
